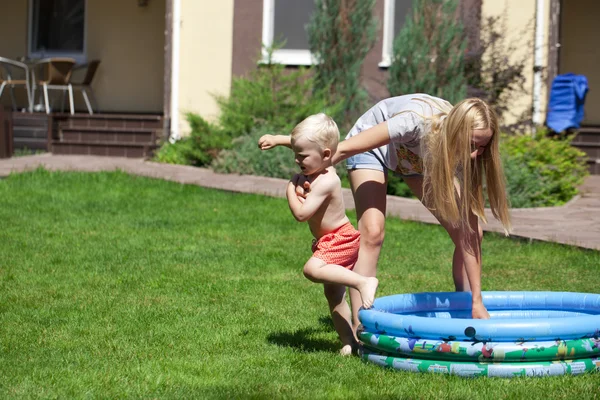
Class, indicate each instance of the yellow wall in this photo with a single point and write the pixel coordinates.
(579, 53)
(129, 41)
(205, 56)
(520, 19)
(13, 31)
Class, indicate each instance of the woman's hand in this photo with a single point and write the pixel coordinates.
(479, 311)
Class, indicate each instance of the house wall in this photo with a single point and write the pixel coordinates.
(205, 56)
(127, 39)
(520, 27)
(247, 38)
(13, 30)
(579, 53)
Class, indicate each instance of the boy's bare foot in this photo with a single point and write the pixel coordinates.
(346, 350)
(367, 292)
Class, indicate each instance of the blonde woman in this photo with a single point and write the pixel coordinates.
(443, 153)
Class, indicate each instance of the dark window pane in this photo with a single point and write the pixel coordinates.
(402, 9)
(291, 17)
(58, 25)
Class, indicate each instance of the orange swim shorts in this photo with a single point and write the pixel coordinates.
(339, 247)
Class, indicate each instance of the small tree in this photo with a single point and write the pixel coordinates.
(428, 53)
(340, 34)
(494, 73)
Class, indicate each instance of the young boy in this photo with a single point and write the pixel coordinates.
(335, 247)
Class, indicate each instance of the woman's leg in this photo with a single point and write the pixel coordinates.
(369, 188)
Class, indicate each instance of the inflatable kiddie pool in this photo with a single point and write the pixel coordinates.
(528, 334)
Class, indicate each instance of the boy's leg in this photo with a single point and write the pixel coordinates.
(340, 315)
(319, 271)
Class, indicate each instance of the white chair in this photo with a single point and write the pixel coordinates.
(14, 73)
(53, 73)
(85, 83)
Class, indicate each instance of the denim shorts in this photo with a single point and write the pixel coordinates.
(369, 160)
(366, 160)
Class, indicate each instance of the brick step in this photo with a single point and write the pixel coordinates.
(594, 166)
(30, 143)
(109, 121)
(587, 135)
(591, 149)
(107, 135)
(132, 150)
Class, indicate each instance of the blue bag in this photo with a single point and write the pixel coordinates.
(567, 98)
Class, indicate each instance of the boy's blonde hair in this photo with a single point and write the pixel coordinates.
(447, 160)
(320, 129)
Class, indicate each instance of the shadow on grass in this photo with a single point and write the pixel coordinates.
(303, 340)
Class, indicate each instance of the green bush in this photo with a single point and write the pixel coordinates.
(199, 148)
(541, 171)
(397, 187)
(246, 158)
(274, 96)
(428, 53)
(340, 35)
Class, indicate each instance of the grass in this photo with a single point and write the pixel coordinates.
(116, 286)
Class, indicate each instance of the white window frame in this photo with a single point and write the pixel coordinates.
(79, 57)
(281, 56)
(389, 8)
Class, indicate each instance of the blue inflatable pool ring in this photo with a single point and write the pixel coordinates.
(528, 333)
(400, 315)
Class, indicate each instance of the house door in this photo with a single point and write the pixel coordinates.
(579, 49)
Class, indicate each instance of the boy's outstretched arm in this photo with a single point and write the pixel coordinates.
(269, 141)
(303, 211)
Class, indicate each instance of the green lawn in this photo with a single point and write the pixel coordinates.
(116, 286)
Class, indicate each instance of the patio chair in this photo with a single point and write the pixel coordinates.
(85, 83)
(54, 73)
(14, 73)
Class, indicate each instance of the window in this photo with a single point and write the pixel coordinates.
(394, 16)
(57, 28)
(287, 20)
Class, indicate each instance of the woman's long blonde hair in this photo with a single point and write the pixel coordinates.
(447, 162)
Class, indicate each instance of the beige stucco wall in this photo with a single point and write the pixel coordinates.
(520, 20)
(579, 51)
(128, 39)
(13, 31)
(205, 56)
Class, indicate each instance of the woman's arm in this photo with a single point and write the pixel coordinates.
(470, 248)
(269, 141)
(369, 139)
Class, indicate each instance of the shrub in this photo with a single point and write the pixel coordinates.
(428, 53)
(246, 158)
(340, 35)
(493, 72)
(206, 140)
(271, 95)
(541, 171)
